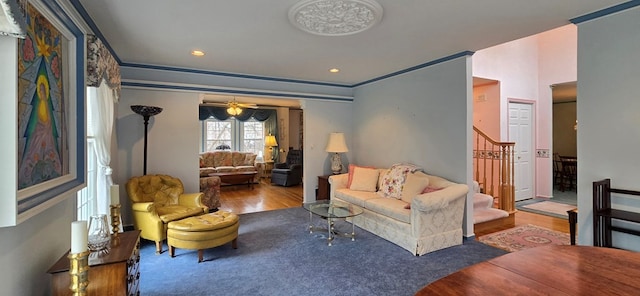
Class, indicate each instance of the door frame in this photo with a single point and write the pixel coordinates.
(534, 136)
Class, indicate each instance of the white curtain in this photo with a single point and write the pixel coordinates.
(12, 21)
(100, 105)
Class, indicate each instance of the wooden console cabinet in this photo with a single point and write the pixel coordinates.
(604, 214)
(324, 188)
(114, 273)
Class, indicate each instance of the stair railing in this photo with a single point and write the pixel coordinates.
(493, 169)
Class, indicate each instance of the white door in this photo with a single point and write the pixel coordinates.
(520, 132)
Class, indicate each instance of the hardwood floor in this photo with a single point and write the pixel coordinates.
(240, 199)
(524, 218)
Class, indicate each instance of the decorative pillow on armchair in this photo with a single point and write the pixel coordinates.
(393, 180)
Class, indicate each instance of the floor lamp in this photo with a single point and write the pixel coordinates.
(146, 112)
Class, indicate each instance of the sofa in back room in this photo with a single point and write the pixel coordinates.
(427, 216)
(228, 162)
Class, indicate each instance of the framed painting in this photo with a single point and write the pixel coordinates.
(50, 113)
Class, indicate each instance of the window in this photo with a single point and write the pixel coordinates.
(252, 136)
(218, 133)
(245, 136)
(87, 197)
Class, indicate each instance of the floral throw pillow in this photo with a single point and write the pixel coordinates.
(393, 180)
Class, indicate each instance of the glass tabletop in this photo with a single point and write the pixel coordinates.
(332, 209)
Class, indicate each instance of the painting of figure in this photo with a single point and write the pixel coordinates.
(43, 149)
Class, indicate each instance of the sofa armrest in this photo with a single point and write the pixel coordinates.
(440, 199)
(438, 212)
(280, 165)
(143, 207)
(192, 200)
(337, 182)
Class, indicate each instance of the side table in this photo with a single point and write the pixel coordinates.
(116, 272)
(324, 188)
(267, 166)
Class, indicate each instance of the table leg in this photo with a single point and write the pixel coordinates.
(330, 231)
(353, 231)
(573, 219)
(310, 222)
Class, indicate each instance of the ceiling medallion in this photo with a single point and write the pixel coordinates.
(335, 17)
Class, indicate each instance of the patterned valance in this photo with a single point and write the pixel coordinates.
(12, 21)
(101, 64)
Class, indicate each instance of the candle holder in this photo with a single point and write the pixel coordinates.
(79, 273)
(115, 225)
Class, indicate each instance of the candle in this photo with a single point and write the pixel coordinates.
(115, 194)
(79, 238)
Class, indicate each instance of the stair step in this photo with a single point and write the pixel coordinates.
(482, 201)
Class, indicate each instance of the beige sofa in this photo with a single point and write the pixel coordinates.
(228, 162)
(433, 221)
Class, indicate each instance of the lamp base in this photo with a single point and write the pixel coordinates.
(336, 163)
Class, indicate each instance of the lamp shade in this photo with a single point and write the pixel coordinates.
(270, 141)
(337, 143)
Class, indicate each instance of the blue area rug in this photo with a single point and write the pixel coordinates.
(277, 255)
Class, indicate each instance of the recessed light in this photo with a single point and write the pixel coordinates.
(334, 70)
(197, 53)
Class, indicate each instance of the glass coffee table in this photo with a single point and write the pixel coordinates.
(332, 210)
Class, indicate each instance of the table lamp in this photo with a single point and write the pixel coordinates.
(270, 141)
(336, 146)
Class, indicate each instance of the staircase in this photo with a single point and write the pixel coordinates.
(493, 170)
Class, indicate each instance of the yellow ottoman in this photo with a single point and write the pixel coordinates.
(203, 232)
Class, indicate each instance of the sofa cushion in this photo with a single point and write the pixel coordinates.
(357, 198)
(207, 160)
(249, 159)
(222, 158)
(414, 184)
(237, 158)
(175, 212)
(394, 178)
(245, 168)
(389, 207)
(225, 169)
(364, 179)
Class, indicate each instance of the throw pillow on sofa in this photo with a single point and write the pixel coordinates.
(393, 180)
(364, 179)
(351, 169)
(414, 184)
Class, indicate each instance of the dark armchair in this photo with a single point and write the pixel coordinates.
(290, 172)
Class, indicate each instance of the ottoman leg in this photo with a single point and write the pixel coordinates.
(172, 251)
(200, 255)
(234, 243)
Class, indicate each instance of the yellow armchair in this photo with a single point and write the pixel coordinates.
(157, 200)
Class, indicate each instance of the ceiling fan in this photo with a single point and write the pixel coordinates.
(233, 107)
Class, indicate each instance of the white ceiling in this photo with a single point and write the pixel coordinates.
(255, 36)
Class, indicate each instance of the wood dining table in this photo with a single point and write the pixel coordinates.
(549, 270)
